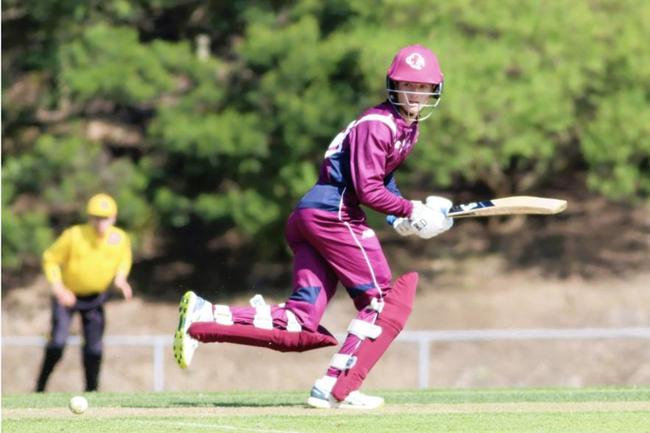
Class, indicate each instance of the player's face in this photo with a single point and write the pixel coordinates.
(413, 96)
(101, 225)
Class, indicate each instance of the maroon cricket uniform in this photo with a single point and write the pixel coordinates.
(328, 232)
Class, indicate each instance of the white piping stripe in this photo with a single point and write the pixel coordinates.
(356, 241)
(341, 204)
(337, 143)
(386, 120)
(365, 257)
(363, 251)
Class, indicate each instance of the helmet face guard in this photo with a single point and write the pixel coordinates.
(415, 64)
(425, 109)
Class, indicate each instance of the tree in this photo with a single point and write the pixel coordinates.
(120, 96)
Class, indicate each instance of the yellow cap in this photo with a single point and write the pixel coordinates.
(101, 205)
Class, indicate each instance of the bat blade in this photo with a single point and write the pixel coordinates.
(509, 206)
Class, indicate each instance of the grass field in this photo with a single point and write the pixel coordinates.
(590, 410)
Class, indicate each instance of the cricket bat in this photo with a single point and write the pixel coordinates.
(504, 206)
(509, 206)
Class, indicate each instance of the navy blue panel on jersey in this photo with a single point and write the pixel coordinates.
(323, 197)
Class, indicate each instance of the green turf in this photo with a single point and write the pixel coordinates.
(406, 411)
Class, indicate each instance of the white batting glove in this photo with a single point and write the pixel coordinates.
(437, 202)
(431, 219)
(403, 227)
(443, 205)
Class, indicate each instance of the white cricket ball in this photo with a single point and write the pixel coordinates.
(78, 404)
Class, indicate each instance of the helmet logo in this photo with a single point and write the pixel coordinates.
(415, 61)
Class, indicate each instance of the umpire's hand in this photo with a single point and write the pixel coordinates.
(122, 284)
(63, 295)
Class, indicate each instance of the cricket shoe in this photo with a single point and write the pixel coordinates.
(320, 397)
(192, 308)
(359, 400)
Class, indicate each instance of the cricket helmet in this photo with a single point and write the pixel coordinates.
(416, 64)
(101, 205)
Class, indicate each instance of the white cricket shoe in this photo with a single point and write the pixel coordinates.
(359, 400)
(192, 308)
(320, 397)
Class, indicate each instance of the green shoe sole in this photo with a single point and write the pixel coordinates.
(181, 332)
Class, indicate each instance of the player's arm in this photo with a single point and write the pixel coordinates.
(123, 269)
(53, 258)
(391, 184)
(402, 225)
(369, 144)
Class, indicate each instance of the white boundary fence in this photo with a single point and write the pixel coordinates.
(423, 340)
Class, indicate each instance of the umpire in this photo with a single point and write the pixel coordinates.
(80, 266)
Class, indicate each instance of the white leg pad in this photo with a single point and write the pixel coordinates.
(222, 314)
(363, 329)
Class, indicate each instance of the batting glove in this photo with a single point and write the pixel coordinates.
(431, 219)
(403, 227)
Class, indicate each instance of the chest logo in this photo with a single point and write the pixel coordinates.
(402, 145)
(114, 239)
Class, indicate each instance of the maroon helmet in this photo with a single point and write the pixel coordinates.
(416, 64)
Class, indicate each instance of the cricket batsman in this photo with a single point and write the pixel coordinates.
(332, 242)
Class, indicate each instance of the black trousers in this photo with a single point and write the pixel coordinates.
(91, 309)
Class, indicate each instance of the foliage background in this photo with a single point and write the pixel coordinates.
(207, 119)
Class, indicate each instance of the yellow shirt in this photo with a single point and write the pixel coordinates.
(86, 263)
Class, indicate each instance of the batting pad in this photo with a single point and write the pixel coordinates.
(274, 339)
(397, 309)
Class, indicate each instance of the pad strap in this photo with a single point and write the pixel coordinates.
(292, 323)
(263, 318)
(377, 305)
(343, 362)
(222, 314)
(363, 329)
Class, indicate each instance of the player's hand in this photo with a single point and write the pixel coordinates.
(431, 219)
(403, 227)
(122, 284)
(437, 202)
(63, 295)
(443, 205)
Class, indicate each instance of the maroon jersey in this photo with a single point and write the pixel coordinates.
(359, 166)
